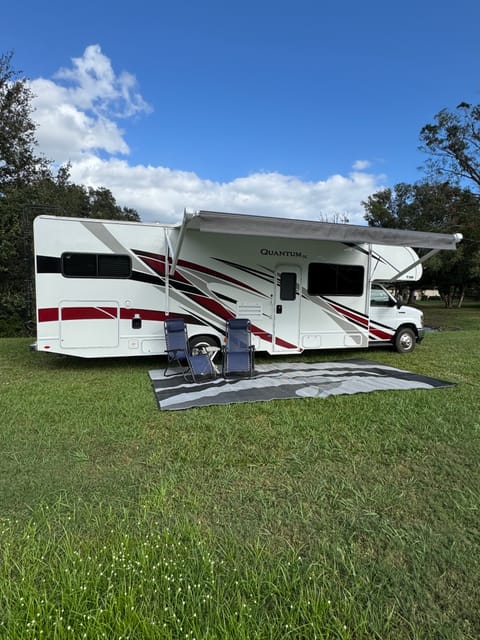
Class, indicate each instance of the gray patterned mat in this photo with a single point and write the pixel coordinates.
(284, 380)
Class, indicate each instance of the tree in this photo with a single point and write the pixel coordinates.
(19, 166)
(453, 143)
(102, 204)
(18, 163)
(440, 207)
(335, 217)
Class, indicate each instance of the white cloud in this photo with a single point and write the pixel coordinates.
(159, 193)
(361, 165)
(77, 113)
(66, 132)
(94, 86)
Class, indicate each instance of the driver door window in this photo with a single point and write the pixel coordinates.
(380, 298)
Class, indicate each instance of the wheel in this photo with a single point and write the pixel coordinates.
(405, 340)
(199, 344)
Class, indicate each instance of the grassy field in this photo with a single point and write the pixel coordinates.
(351, 517)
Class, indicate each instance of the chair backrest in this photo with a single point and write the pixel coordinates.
(176, 337)
(238, 354)
(238, 334)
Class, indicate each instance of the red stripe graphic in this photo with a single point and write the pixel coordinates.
(107, 313)
(144, 314)
(213, 306)
(285, 344)
(381, 335)
(48, 315)
(157, 263)
(216, 274)
(102, 313)
(89, 313)
(351, 315)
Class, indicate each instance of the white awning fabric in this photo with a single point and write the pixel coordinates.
(250, 225)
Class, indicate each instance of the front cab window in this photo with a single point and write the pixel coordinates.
(380, 297)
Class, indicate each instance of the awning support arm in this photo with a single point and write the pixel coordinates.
(167, 272)
(417, 262)
(175, 252)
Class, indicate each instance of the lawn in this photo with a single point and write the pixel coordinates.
(351, 517)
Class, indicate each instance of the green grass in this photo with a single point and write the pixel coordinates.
(351, 517)
(437, 317)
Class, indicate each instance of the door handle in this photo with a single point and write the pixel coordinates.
(279, 308)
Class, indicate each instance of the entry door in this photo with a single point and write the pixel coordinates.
(286, 309)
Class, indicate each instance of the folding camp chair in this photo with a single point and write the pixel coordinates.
(177, 343)
(194, 367)
(200, 366)
(238, 353)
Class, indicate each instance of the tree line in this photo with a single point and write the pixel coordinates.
(447, 200)
(29, 187)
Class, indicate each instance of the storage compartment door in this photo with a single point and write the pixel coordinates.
(89, 324)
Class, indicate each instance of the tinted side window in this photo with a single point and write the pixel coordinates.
(79, 265)
(113, 266)
(93, 265)
(288, 285)
(326, 279)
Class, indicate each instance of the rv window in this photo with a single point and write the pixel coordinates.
(288, 285)
(93, 265)
(335, 279)
(113, 266)
(79, 265)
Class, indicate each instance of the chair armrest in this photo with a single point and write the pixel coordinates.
(174, 351)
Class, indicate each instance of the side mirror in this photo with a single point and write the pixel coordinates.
(399, 302)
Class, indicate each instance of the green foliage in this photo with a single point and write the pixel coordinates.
(453, 143)
(18, 163)
(439, 207)
(102, 204)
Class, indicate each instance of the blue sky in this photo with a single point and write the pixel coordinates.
(284, 108)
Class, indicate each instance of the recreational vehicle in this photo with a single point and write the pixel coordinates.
(104, 288)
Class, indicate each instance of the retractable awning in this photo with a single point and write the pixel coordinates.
(266, 226)
(249, 225)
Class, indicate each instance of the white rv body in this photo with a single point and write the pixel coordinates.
(103, 288)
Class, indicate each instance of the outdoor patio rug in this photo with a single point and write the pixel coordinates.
(284, 380)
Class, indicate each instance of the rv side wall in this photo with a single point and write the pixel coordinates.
(102, 288)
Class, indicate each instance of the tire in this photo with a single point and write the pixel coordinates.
(200, 343)
(405, 340)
